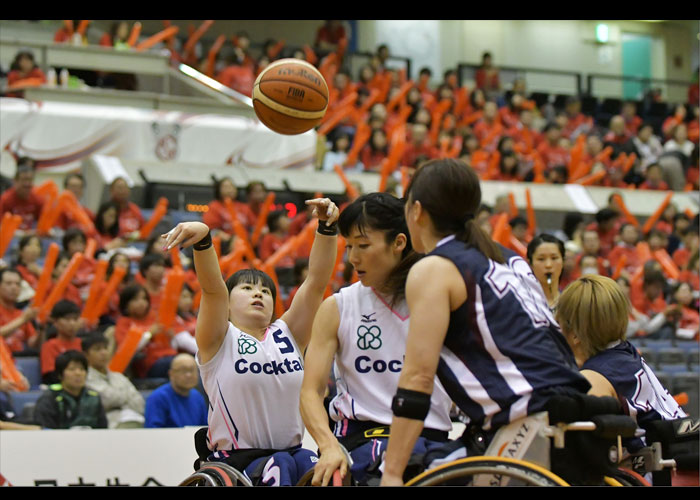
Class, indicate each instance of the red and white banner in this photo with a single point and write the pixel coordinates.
(59, 136)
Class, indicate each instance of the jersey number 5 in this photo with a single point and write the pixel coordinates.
(279, 339)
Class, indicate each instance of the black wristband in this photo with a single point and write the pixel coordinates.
(411, 404)
(331, 230)
(204, 243)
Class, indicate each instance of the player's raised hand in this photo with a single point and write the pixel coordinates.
(184, 235)
(324, 209)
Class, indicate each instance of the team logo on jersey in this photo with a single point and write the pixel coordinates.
(366, 318)
(369, 338)
(246, 346)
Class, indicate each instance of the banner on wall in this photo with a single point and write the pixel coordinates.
(59, 136)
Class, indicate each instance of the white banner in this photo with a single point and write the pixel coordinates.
(59, 136)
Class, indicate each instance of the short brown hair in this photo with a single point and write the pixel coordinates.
(596, 310)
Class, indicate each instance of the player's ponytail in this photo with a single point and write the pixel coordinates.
(449, 191)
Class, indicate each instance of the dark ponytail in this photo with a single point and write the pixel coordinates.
(449, 191)
(382, 212)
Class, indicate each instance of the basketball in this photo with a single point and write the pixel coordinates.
(290, 96)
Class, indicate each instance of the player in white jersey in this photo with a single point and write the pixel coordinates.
(252, 368)
(364, 327)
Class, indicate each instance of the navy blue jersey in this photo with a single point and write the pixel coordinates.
(504, 354)
(634, 381)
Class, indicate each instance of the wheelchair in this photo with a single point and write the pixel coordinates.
(555, 448)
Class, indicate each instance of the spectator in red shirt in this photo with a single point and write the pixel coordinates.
(278, 224)
(550, 148)
(152, 268)
(16, 327)
(65, 318)
(20, 199)
(690, 244)
(487, 78)
(629, 236)
(688, 318)
(218, 218)
(24, 71)
(489, 129)
(135, 309)
(75, 183)
(255, 194)
(629, 114)
(654, 179)
(577, 123)
(74, 240)
(329, 36)
(107, 226)
(418, 145)
(130, 217)
(27, 263)
(71, 292)
(617, 136)
(376, 150)
(239, 77)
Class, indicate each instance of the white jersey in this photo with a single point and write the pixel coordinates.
(253, 388)
(371, 350)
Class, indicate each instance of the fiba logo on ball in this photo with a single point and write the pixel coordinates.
(246, 346)
(369, 338)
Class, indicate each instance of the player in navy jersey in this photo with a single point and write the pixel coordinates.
(479, 319)
(593, 314)
(364, 327)
(251, 366)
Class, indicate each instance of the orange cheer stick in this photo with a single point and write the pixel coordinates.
(310, 55)
(175, 258)
(592, 178)
(513, 207)
(238, 228)
(493, 167)
(623, 208)
(270, 271)
(362, 135)
(68, 24)
(349, 188)
(538, 168)
(134, 35)
(82, 27)
(405, 179)
(515, 244)
(400, 95)
(46, 189)
(97, 280)
(619, 267)
(211, 56)
(194, 38)
(384, 173)
(669, 267)
(643, 251)
(342, 45)
(335, 119)
(126, 350)
(530, 210)
(649, 224)
(687, 212)
(262, 218)
(10, 223)
(158, 213)
(9, 369)
(500, 229)
(372, 98)
(90, 248)
(401, 119)
(45, 277)
(60, 287)
(50, 206)
(112, 284)
(171, 297)
(216, 242)
(53, 210)
(157, 38)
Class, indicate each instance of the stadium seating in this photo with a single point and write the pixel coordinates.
(30, 368)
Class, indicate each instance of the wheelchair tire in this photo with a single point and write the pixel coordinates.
(216, 474)
(462, 471)
(629, 478)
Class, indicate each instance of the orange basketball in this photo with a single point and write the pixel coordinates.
(290, 96)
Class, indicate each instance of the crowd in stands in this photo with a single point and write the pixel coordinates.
(392, 122)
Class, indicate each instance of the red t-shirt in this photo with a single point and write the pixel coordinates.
(618, 251)
(28, 208)
(607, 240)
(328, 35)
(486, 81)
(66, 221)
(270, 244)
(28, 276)
(130, 219)
(552, 156)
(14, 76)
(16, 340)
(218, 216)
(52, 348)
(239, 78)
(643, 304)
(412, 152)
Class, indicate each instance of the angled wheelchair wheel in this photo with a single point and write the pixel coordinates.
(628, 477)
(487, 471)
(217, 474)
(337, 481)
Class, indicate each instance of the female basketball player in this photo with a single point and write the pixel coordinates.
(364, 327)
(546, 256)
(252, 369)
(478, 319)
(593, 314)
